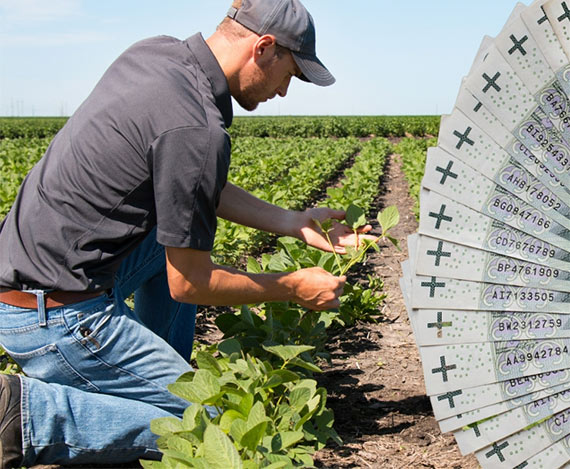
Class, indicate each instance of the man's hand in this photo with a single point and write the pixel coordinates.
(340, 235)
(316, 289)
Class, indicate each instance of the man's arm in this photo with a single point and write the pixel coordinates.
(241, 207)
(194, 278)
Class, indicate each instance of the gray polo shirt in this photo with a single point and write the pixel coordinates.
(148, 147)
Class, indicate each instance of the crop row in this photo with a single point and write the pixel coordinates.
(310, 163)
(360, 183)
(413, 153)
(248, 126)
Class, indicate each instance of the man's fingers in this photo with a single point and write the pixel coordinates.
(364, 229)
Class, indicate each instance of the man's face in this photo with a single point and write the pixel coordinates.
(265, 78)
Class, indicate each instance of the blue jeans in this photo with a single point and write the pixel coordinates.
(97, 372)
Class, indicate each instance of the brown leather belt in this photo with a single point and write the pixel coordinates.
(53, 299)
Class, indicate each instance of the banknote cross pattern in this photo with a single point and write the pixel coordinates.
(522, 465)
(463, 138)
(566, 14)
(475, 428)
(446, 173)
(497, 451)
(449, 396)
(440, 324)
(491, 82)
(443, 369)
(544, 18)
(438, 253)
(440, 216)
(432, 285)
(518, 45)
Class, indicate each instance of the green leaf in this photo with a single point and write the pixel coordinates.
(166, 425)
(245, 405)
(206, 361)
(256, 415)
(283, 440)
(306, 365)
(277, 465)
(253, 266)
(355, 217)
(238, 429)
(285, 375)
(201, 390)
(299, 398)
(228, 418)
(229, 346)
(394, 241)
(279, 262)
(219, 451)
(227, 322)
(389, 218)
(272, 382)
(288, 352)
(253, 436)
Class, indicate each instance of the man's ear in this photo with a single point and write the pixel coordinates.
(264, 47)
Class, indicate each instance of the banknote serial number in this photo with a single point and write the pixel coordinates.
(526, 215)
(533, 324)
(561, 419)
(522, 295)
(536, 133)
(524, 246)
(534, 271)
(558, 108)
(545, 353)
(543, 196)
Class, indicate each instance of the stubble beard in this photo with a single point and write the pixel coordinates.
(253, 89)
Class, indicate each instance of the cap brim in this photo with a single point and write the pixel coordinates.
(313, 69)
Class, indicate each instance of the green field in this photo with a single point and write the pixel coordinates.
(261, 375)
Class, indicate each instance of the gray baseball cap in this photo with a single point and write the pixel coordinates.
(293, 28)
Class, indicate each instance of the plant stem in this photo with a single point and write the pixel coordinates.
(336, 256)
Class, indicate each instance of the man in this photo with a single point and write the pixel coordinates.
(125, 200)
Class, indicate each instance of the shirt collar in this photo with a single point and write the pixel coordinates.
(215, 75)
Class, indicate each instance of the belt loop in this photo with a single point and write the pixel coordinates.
(40, 295)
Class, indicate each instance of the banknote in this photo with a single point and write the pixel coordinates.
(521, 50)
(466, 420)
(556, 455)
(447, 293)
(447, 327)
(524, 176)
(461, 402)
(500, 89)
(557, 14)
(445, 259)
(484, 433)
(445, 219)
(535, 163)
(452, 367)
(450, 177)
(514, 450)
(540, 28)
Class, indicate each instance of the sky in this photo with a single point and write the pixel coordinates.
(390, 57)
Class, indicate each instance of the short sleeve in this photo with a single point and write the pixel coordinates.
(189, 169)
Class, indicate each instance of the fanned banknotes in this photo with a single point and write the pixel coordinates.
(487, 282)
